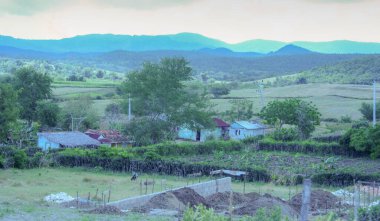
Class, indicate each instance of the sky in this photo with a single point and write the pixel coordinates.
(229, 20)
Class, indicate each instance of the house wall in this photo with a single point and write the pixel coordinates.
(244, 133)
(45, 144)
(185, 133)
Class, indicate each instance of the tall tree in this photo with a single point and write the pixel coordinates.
(8, 109)
(32, 87)
(159, 96)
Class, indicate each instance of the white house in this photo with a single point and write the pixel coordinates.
(219, 132)
(242, 129)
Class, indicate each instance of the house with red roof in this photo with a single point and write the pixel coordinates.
(221, 131)
(108, 137)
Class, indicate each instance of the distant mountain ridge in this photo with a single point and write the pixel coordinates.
(182, 42)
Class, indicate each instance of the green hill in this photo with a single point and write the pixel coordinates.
(358, 71)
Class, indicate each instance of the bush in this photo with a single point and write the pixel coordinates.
(20, 159)
(2, 161)
(364, 140)
(346, 119)
(285, 134)
(252, 140)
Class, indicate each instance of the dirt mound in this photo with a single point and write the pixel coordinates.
(320, 200)
(112, 210)
(268, 202)
(189, 197)
(165, 201)
(80, 204)
(221, 201)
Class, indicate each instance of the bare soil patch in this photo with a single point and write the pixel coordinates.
(320, 200)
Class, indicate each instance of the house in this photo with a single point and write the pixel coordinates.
(55, 140)
(242, 129)
(219, 132)
(108, 137)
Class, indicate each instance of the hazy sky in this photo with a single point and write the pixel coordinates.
(227, 20)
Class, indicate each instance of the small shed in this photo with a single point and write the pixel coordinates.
(219, 132)
(55, 140)
(243, 129)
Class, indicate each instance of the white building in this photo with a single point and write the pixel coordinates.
(243, 129)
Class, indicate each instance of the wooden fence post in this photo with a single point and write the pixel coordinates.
(305, 199)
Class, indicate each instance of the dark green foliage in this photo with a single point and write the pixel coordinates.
(365, 140)
(367, 111)
(358, 71)
(20, 159)
(346, 119)
(145, 131)
(161, 99)
(82, 110)
(285, 134)
(48, 113)
(304, 115)
(75, 78)
(32, 87)
(219, 90)
(8, 110)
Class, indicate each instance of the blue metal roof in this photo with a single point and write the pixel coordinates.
(249, 126)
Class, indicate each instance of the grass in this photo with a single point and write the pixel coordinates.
(333, 100)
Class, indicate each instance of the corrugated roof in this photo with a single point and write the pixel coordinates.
(70, 139)
(220, 123)
(250, 126)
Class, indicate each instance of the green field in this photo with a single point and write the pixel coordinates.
(333, 100)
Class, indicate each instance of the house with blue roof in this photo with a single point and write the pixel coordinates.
(243, 129)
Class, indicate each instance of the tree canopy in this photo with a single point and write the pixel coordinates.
(302, 114)
(159, 96)
(32, 87)
(8, 109)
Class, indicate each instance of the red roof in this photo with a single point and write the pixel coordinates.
(108, 136)
(220, 123)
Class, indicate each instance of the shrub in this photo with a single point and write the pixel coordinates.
(20, 159)
(252, 140)
(285, 134)
(2, 161)
(365, 140)
(346, 119)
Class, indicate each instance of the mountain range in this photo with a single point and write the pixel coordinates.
(181, 42)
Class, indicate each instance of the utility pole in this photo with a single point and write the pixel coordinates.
(129, 108)
(260, 91)
(374, 104)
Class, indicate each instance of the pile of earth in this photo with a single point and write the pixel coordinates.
(319, 200)
(174, 200)
(81, 204)
(248, 204)
(242, 204)
(110, 210)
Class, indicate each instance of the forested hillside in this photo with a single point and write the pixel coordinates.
(358, 71)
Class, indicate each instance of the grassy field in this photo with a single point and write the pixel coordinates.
(22, 191)
(333, 100)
